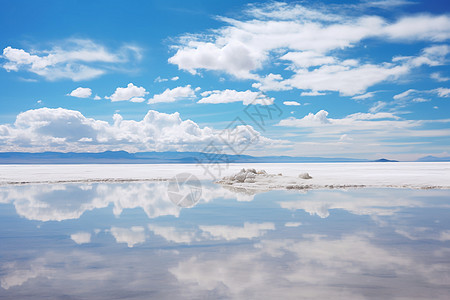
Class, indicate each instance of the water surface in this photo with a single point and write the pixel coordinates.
(128, 240)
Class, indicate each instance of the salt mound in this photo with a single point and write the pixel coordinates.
(250, 178)
(244, 175)
(304, 176)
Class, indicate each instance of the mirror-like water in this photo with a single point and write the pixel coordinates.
(129, 240)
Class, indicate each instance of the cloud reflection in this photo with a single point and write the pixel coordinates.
(60, 202)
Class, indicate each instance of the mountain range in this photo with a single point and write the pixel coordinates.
(123, 157)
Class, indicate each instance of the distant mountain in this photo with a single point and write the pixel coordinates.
(123, 157)
(433, 159)
(384, 160)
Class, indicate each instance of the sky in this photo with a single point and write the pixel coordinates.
(362, 79)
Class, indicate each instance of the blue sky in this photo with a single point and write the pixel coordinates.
(364, 79)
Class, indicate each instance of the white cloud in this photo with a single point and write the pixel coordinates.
(81, 237)
(309, 41)
(438, 77)
(377, 107)
(18, 276)
(159, 79)
(248, 231)
(386, 4)
(311, 119)
(308, 59)
(424, 27)
(74, 59)
(445, 236)
(345, 138)
(65, 130)
(404, 94)
(235, 58)
(377, 132)
(347, 80)
(130, 93)
(364, 96)
(312, 93)
(131, 236)
(421, 95)
(36, 202)
(271, 82)
(172, 234)
(227, 96)
(97, 97)
(442, 92)
(81, 92)
(432, 56)
(421, 100)
(314, 266)
(292, 224)
(172, 95)
(360, 121)
(292, 103)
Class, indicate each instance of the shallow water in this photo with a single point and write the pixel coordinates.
(129, 240)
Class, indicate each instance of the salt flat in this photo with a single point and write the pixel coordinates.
(401, 174)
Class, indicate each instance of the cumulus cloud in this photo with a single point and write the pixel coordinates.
(319, 118)
(227, 96)
(65, 130)
(175, 94)
(360, 120)
(74, 59)
(130, 93)
(309, 42)
(371, 123)
(381, 132)
(348, 80)
(81, 92)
